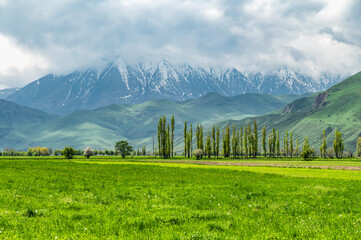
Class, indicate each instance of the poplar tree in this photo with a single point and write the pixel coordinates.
(278, 144)
(160, 124)
(264, 145)
(185, 139)
(241, 140)
(297, 147)
(255, 139)
(217, 142)
(208, 146)
(358, 147)
(226, 143)
(291, 145)
(234, 141)
(324, 144)
(245, 141)
(172, 137)
(286, 144)
(214, 140)
(191, 141)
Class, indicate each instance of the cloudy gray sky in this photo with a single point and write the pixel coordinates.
(311, 36)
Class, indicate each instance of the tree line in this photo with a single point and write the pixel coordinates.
(243, 142)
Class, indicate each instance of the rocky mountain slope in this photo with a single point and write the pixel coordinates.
(136, 83)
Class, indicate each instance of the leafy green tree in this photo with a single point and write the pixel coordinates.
(199, 136)
(185, 139)
(241, 141)
(208, 147)
(255, 139)
(234, 141)
(214, 141)
(226, 143)
(217, 142)
(144, 150)
(123, 148)
(172, 122)
(358, 147)
(324, 145)
(307, 152)
(291, 145)
(297, 150)
(264, 145)
(286, 144)
(278, 144)
(338, 145)
(191, 140)
(68, 152)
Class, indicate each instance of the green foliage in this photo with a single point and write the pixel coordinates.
(358, 147)
(38, 151)
(264, 144)
(208, 147)
(123, 148)
(68, 152)
(307, 153)
(226, 143)
(338, 144)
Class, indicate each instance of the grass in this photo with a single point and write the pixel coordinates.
(48, 198)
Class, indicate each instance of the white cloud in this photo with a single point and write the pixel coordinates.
(311, 36)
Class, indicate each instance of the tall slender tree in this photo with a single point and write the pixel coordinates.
(291, 145)
(172, 136)
(264, 145)
(278, 144)
(255, 139)
(241, 140)
(208, 147)
(214, 140)
(324, 144)
(191, 141)
(185, 139)
(217, 142)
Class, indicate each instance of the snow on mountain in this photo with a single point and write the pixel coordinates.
(119, 82)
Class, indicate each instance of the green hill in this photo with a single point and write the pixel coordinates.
(337, 108)
(101, 128)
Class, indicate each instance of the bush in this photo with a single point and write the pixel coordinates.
(307, 154)
(198, 153)
(88, 152)
(68, 152)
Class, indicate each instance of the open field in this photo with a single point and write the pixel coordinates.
(108, 197)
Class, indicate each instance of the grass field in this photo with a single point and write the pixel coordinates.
(111, 198)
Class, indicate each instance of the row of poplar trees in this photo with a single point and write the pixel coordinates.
(166, 137)
(242, 142)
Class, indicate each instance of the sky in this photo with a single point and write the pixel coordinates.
(38, 37)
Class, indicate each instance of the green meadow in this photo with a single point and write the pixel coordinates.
(112, 198)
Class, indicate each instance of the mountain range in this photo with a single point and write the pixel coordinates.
(338, 108)
(24, 127)
(119, 82)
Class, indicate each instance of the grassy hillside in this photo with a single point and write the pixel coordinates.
(137, 123)
(337, 108)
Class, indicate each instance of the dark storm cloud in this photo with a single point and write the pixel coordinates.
(258, 35)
